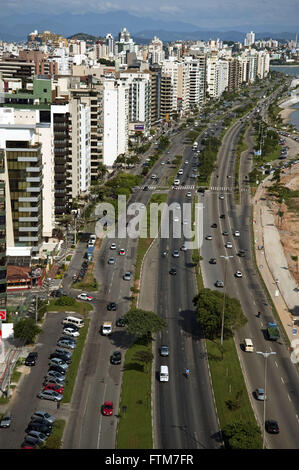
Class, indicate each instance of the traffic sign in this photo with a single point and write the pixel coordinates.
(2, 314)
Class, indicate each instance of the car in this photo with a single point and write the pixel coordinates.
(107, 408)
(66, 343)
(55, 388)
(214, 225)
(164, 350)
(56, 361)
(111, 306)
(154, 177)
(164, 253)
(30, 441)
(36, 426)
(183, 248)
(172, 271)
(189, 194)
(31, 359)
(57, 376)
(127, 276)
(222, 216)
(209, 237)
(238, 274)
(38, 435)
(181, 171)
(176, 219)
(5, 422)
(63, 353)
(145, 188)
(61, 370)
(111, 261)
(186, 162)
(221, 196)
(212, 261)
(176, 182)
(176, 253)
(120, 322)
(122, 252)
(113, 246)
(71, 332)
(236, 233)
(242, 253)
(228, 245)
(115, 358)
(50, 395)
(272, 426)
(53, 381)
(84, 296)
(260, 394)
(219, 283)
(225, 233)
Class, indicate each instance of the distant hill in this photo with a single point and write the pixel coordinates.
(85, 37)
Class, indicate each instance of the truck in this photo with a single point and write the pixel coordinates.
(90, 253)
(106, 328)
(272, 331)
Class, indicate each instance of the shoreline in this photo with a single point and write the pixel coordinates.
(285, 114)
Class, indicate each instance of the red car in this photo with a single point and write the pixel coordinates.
(54, 387)
(122, 252)
(108, 408)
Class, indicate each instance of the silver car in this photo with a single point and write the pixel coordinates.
(55, 361)
(127, 276)
(37, 435)
(45, 415)
(50, 395)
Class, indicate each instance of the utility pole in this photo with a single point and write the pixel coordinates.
(266, 355)
(226, 257)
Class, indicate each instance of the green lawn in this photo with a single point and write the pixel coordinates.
(135, 422)
(228, 383)
(79, 307)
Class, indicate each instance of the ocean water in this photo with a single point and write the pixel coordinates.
(294, 117)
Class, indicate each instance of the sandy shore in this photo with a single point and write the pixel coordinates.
(286, 113)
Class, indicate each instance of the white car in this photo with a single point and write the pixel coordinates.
(84, 296)
(238, 274)
(71, 332)
(176, 182)
(154, 177)
(181, 172)
(111, 261)
(236, 233)
(189, 194)
(113, 246)
(221, 196)
(209, 237)
(183, 248)
(175, 253)
(186, 162)
(127, 276)
(176, 219)
(228, 245)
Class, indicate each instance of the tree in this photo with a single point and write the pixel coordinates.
(142, 323)
(209, 305)
(26, 330)
(295, 258)
(241, 435)
(145, 356)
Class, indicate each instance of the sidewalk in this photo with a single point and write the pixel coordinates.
(272, 262)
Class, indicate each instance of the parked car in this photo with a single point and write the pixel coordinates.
(58, 369)
(55, 361)
(54, 387)
(30, 441)
(38, 435)
(57, 355)
(31, 359)
(65, 343)
(107, 408)
(120, 322)
(115, 358)
(50, 395)
(35, 426)
(6, 420)
(71, 332)
(84, 296)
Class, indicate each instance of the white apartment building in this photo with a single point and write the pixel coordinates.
(197, 71)
(155, 51)
(221, 77)
(116, 119)
(211, 66)
(139, 97)
(263, 64)
(249, 39)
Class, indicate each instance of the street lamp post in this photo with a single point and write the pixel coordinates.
(226, 257)
(266, 355)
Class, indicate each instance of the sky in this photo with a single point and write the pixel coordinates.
(202, 13)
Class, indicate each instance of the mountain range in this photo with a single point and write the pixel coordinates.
(15, 28)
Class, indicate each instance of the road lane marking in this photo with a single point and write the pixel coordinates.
(282, 380)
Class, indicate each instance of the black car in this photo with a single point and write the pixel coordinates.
(64, 357)
(214, 225)
(31, 359)
(115, 358)
(70, 325)
(222, 216)
(111, 306)
(58, 369)
(31, 441)
(120, 322)
(272, 426)
(68, 338)
(242, 253)
(35, 426)
(213, 261)
(172, 271)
